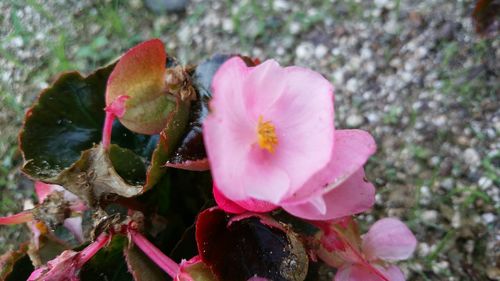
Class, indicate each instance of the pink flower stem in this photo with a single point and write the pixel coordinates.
(106, 130)
(164, 262)
(90, 251)
(22, 217)
(115, 109)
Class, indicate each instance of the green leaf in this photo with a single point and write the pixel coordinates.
(66, 119)
(141, 267)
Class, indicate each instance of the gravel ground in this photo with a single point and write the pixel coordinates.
(413, 73)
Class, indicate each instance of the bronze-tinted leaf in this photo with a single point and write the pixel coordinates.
(247, 247)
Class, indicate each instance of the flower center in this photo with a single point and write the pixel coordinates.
(266, 135)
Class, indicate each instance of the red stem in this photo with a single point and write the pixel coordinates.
(22, 217)
(106, 130)
(113, 110)
(87, 253)
(164, 262)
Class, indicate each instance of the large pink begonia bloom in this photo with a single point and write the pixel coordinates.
(271, 143)
(387, 240)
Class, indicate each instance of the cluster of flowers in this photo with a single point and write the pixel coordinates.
(271, 143)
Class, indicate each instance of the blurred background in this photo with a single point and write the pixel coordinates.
(413, 73)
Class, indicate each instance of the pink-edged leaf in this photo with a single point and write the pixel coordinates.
(389, 239)
(140, 74)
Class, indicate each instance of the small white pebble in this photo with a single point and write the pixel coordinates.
(488, 218)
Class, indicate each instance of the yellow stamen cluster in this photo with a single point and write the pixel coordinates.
(266, 135)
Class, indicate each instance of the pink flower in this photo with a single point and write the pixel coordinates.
(271, 143)
(366, 259)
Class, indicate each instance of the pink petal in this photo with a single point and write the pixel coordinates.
(389, 239)
(355, 195)
(227, 132)
(392, 272)
(241, 172)
(225, 204)
(361, 273)
(303, 117)
(351, 150)
(43, 190)
(239, 207)
(74, 225)
(241, 95)
(263, 86)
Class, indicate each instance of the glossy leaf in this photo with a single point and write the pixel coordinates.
(247, 247)
(66, 119)
(140, 75)
(63, 126)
